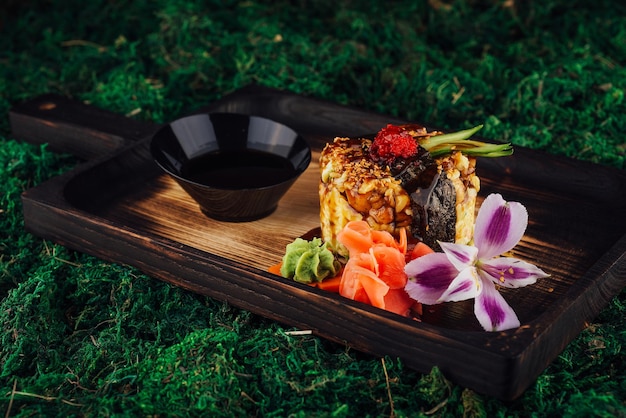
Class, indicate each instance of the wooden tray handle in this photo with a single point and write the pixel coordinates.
(75, 127)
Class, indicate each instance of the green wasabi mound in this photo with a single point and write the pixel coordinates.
(308, 261)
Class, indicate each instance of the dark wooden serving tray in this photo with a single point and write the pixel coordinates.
(120, 207)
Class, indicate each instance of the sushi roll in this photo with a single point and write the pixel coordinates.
(405, 178)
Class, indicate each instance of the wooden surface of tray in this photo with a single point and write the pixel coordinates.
(118, 206)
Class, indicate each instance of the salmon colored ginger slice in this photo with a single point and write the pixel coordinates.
(374, 273)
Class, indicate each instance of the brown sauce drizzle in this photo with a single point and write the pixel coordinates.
(421, 179)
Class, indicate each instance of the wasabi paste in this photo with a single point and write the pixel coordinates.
(308, 261)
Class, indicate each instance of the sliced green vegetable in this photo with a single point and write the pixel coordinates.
(440, 145)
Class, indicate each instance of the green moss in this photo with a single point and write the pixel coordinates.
(84, 337)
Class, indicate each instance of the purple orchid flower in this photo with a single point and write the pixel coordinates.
(464, 272)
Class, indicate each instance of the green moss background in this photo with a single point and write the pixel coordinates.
(82, 337)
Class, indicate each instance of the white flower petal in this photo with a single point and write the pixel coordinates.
(461, 256)
(511, 272)
(500, 225)
(492, 311)
(429, 276)
(466, 285)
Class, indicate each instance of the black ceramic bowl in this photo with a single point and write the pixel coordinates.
(237, 167)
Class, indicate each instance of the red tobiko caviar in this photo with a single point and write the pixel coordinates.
(391, 143)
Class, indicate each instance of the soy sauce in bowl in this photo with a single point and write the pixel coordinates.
(239, 170)
(236, 167)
